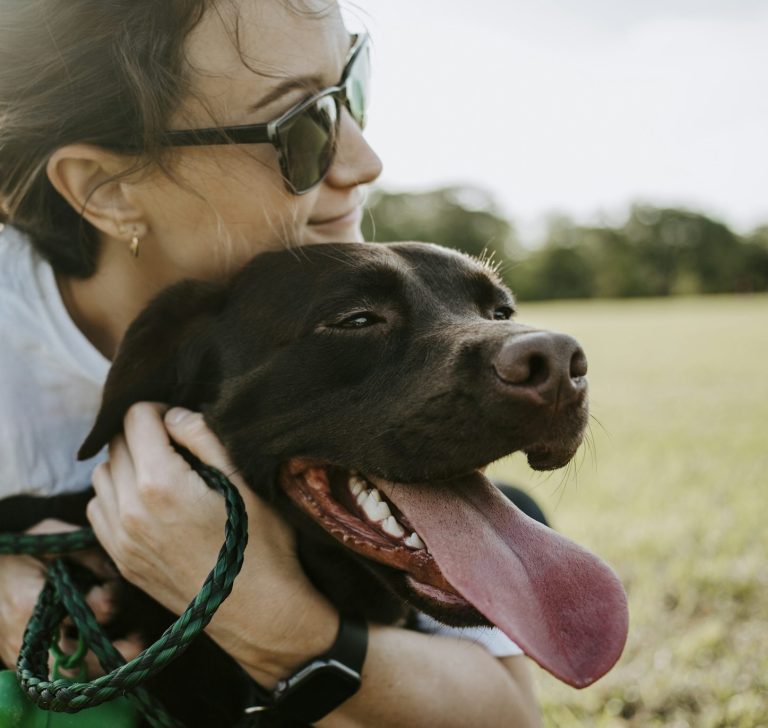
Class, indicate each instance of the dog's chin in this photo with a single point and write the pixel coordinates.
(551, 456)
(335, 499)
(558, 448)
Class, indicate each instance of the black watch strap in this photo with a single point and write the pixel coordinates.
(326, 681)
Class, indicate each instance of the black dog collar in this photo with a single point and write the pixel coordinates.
(325, 682)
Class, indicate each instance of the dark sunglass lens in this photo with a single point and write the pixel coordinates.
(309, 142)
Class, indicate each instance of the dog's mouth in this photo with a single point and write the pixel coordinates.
(462, 545)
(360, 515)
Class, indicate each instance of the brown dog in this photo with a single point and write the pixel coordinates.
(362, 389)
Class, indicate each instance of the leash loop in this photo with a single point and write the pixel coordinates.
(60, 596)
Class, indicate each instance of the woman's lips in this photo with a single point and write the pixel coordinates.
(348, 218)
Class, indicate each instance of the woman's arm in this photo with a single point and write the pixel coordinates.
(414, 679)
(163, 528)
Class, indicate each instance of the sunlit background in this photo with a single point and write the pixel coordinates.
(613, 154)
(575, 106)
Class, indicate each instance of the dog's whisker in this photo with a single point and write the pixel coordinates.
(559, 490)
(592, 445)
(602, 427)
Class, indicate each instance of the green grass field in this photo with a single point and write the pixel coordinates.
(672, 492)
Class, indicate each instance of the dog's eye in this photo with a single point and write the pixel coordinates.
(359, 320)
(503, 313)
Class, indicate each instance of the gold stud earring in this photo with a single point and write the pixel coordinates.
(134, 247)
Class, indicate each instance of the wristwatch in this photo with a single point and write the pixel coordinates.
(325, 682)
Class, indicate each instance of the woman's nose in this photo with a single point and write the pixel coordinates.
(355, 162)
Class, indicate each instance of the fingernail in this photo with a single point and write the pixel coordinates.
(176, 415)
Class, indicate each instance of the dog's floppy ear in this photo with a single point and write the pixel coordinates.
(165, 356)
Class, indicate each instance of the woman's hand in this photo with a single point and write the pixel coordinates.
(21, 580)
(163, 527)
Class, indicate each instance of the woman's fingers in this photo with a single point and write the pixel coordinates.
(122, 471)
(69, 645)
(96, 562)
(148, 446)
(93, 666)
(92, 559)
(130, 647)
(21, 579)
(189, 429)
(104, 487)
(161, 475)
(101, 600)
(150, 506)
(99, 518)
(51, 526)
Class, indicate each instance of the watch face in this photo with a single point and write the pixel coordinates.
(316, 690)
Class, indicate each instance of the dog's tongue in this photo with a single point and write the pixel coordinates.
(562, 605)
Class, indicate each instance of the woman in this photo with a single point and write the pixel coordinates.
(117, 209)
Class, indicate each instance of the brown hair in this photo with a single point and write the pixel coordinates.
(105, 73)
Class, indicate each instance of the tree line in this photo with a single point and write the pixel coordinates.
(655, 251)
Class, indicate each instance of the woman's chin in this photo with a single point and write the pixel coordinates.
(340, 230)
(332, 234)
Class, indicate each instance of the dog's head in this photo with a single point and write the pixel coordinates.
(362, 388)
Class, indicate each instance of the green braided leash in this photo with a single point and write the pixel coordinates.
(60, 596)
(52, 543)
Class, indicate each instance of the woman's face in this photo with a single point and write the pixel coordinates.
(226, 203)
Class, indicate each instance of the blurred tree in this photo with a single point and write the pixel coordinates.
(760, 236)
(464, 218)
(613, 261)
(559, 269)
(555, 271)
(655, 252)
(753, 274)
(682, 252)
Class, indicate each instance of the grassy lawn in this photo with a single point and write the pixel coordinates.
(673, 492)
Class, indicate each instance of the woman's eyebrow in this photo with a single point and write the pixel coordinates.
(290, 84)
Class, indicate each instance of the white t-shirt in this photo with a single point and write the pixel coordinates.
(51, 378)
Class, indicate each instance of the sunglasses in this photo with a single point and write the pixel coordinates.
(306, 135)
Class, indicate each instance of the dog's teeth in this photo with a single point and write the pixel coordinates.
(392, 527)
(370, 508)
(375, 510)
(362, 498)
(375, 495)
(356, 485)
(367, 495)
(414, 542)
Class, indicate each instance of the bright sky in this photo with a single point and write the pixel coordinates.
(575, 106)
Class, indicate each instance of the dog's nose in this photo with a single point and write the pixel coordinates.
(554, 365)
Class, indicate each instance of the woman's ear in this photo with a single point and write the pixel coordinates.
(84, 175)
